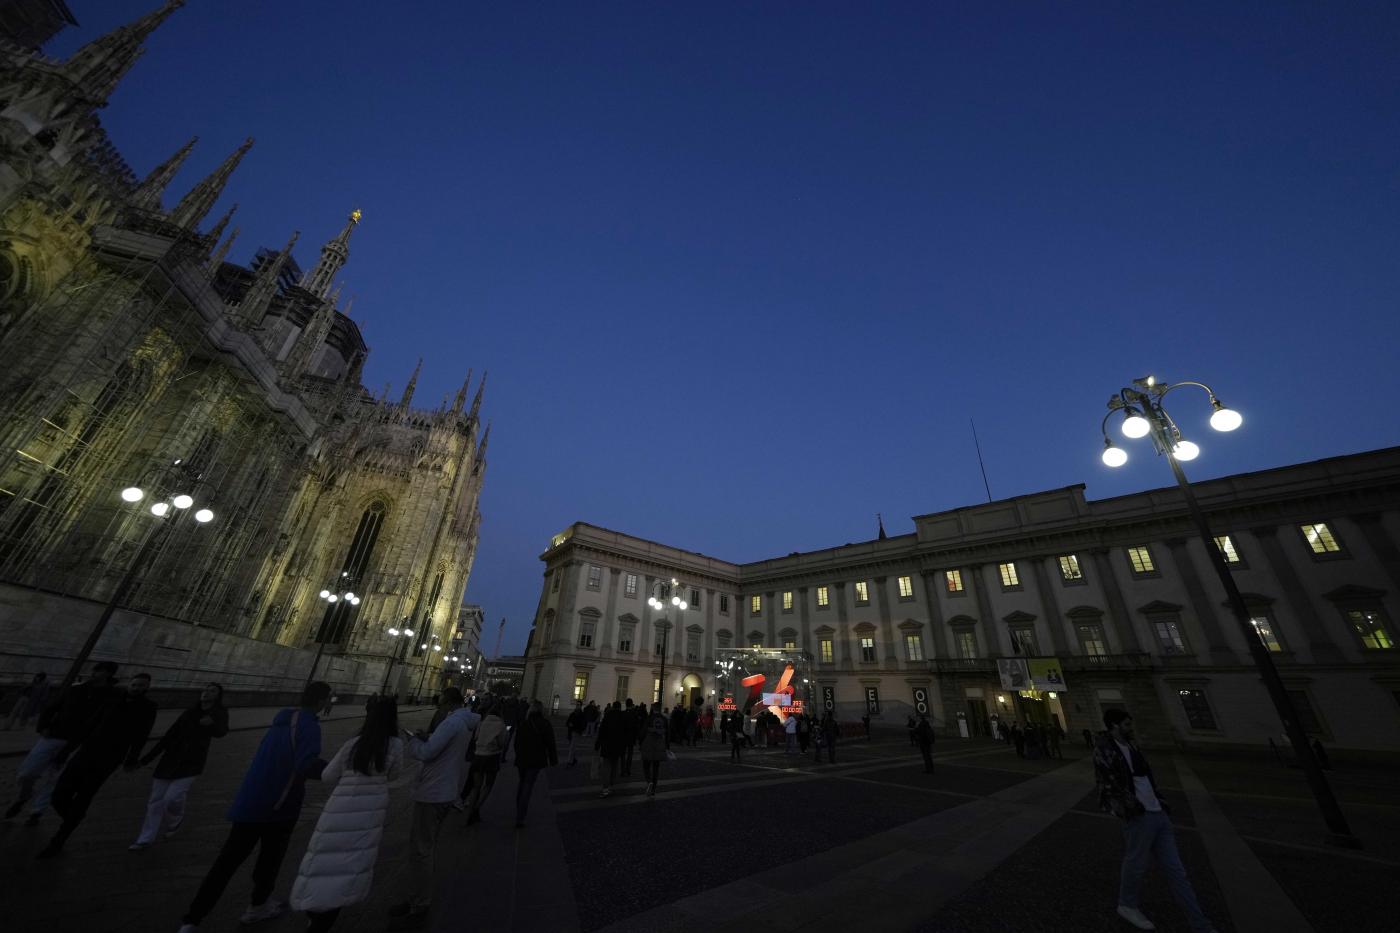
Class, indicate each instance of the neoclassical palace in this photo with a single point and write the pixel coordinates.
(1115, 596)
(138, 357)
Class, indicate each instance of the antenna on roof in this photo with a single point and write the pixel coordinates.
(980, 463)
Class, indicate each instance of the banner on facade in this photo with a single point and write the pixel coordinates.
(921, 700)
(872, 700)
(829, 699)
(1046, 674)
(1014, 675)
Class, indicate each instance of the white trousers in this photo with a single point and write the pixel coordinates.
(40, 770)
(165, 809)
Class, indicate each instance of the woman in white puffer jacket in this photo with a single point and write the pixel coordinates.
(338, 867)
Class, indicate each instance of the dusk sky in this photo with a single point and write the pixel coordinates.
(742, 272)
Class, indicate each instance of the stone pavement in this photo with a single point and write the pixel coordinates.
(988, 842)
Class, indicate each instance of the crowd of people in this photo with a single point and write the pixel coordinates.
(1032, 739)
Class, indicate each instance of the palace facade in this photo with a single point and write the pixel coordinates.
(1113, 599)
(138, 356)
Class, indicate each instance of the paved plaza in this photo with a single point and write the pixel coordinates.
(988, 842)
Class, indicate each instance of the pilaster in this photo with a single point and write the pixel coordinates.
(1216, 645)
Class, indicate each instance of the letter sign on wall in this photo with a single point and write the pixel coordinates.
(872, 700)
(921, 700)
(829, 699)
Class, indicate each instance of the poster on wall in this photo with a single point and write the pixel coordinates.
(921, 701)
(1046, 674)
(829, 699)
(1014, 675)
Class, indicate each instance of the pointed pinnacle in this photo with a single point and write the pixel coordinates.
(147, 196)
(97, 67)
(200, 199)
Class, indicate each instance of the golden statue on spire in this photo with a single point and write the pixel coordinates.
(355, 216)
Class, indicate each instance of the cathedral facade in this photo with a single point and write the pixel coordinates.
(138, 358)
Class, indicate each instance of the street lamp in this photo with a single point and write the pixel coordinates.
(1141, 405)
(338, 596)
(154, 534)
(404, 636)
(658, 601)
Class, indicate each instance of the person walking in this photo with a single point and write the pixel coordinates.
(534, 751)
(491, 739)
(804, 732)
(1018, 738)
(574, 726)
(591, 715)
(182, 751)
(338, 867)
(265, 810)
(829, 731)
(1053, 735)
(115, 740)
(655, 747)
(912, 728)
(32, 698)
(64, 722)
(790, 733)
(612, 738)
(631, 727)
(1127, 790)
(737, 737)
(924, 733)
(437, 787)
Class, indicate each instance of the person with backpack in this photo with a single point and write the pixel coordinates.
(182, 751)
(655, 747)
(491, 738)
(265, 810)
(338, 867)
(534, 751)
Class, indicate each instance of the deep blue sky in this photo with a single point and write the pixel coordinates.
(741, 272)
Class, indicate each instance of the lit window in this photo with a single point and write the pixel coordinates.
(914, 646)
(1369, 624)
(787, 601)
(1009, 577)
(724, 603)
(1140, 558)
(789, 643)
(826, 651)
(656, 690)
(755, 639)
(581, 685)
(1069, 568)
(862, 591)
(1091, 639)
(1169, 637)
(954, 580)
(1197, 708)
(1264, 627)
(756, 602)
(1227, 549)
(585, 635)
(906, 588)
(823, 597)
(867, 648)
(1320, 538)
(630, 585)
(692, 646)
(967, 645)
(595, 577)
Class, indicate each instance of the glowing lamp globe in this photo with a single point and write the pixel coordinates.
(1135, 426)
(1226, 419)
(182, 501)
(1114, 456)
(325, 594)
(159, 509)
(133, 494)
(1185, 450)
(204, 516)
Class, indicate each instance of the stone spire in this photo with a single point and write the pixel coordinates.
(309, 340)
(98, 66)
(333, 256)
(253, 308)
(412, 384)
(462, 394)
(193, 206)
(476, 402)
(480, 459)
(147, 196)
(216, 261)
(217, 230)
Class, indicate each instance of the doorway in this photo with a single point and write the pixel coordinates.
(977, 716)
(694, 690)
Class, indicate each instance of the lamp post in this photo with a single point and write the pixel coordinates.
(658, 601)
(427, 656)
(1144, 416)
(404, 637)
(337, 598)
(167, 514)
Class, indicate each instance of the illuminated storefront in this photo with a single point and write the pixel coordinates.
(749, 680)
